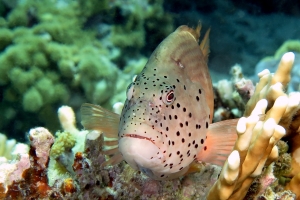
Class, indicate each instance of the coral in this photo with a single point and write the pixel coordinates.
(287, 46)
(231, 96)
(254, 135)
(66, 145)
(294, 185)
(27, 176)
(51, 48)
(10, 149)
(63, 142)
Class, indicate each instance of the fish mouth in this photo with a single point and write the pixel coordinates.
(138, 137)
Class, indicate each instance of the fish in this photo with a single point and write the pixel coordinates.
(166, 122)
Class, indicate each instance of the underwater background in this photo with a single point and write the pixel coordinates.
(69, 52)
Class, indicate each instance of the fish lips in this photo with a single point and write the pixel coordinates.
(141, 153)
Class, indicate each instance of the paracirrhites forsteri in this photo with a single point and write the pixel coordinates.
(165, 121)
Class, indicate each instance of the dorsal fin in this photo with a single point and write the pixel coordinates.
(204, 45)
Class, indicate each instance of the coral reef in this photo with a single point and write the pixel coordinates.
(72, 169)
(51, 48)
(9, 149)
(271, 62)
(232, 95)
(254, 135)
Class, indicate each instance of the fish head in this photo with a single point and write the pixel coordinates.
(165, 117)
(158, 133)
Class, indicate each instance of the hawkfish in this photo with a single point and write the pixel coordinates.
(166, 122)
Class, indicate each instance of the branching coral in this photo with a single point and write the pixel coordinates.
(255, 146)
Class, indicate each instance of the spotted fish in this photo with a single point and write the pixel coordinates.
(166, 121)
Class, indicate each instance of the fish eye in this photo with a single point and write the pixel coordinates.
(168, 96)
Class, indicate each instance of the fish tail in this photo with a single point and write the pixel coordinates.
(220, 141)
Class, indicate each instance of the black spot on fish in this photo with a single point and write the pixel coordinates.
(170, 117)
(182, 140)
(190, 134)
(202, 141)
(205, 148)
(190, 115)
(197, 98)
(196, 146)
(173, 143)
(184, 109)
(175, 116)
(200, 91)
(178, 105)
(184, 87)
(178, 133)
(186, 123)
(170, 154)
(206, 124)
(177, 80)
(181, 125)
(178, 152)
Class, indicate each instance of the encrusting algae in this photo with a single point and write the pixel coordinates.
(176, 101)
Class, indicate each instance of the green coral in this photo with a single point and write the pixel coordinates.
(282, 166)
(64, 142)
(32, 100)
(5, 38)
(288, 46)
(50, 52)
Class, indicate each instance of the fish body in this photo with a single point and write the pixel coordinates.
(165, 122)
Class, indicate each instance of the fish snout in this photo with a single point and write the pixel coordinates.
(140, 153)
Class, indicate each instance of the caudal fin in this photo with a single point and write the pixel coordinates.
(94, 117)
(220, 140)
